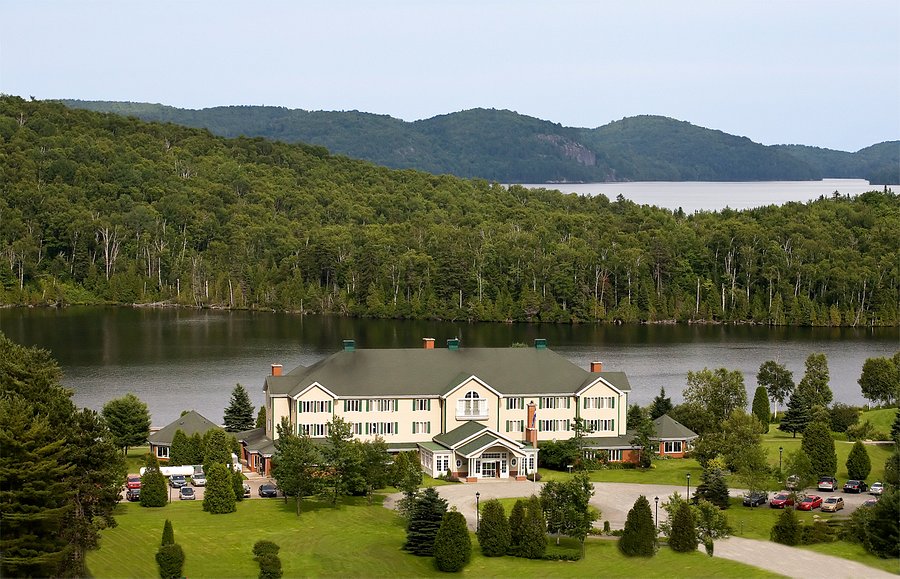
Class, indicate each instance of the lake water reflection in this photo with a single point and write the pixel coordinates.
(176, 359)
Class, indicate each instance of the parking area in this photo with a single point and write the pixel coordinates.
(253, 480)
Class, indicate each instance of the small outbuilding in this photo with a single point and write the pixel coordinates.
(674, 438)
(190, 423)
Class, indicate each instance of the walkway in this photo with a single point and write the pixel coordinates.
(614, 501)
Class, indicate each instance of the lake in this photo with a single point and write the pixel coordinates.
(694, 196)
(177, 359)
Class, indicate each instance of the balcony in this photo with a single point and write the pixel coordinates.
(472, 409)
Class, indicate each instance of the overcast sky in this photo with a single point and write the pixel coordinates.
(823, 73)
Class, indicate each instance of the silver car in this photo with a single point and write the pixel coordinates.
(199, 480)
(876, 489)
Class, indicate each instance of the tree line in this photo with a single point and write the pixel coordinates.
(99, 208)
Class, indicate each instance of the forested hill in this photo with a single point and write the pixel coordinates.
(508, 147)
(102, 208)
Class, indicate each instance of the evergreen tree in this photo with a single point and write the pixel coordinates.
(713, 487)
(170, 559)
(154, 491)
(895, 428)
(884, 526)
(128, 420)
(516, 526)
(427, 513)
(819, 447)
(168, 536)
(797, 416)
(239, 414)
(684, 530)
(216, 448)
(266, 554)
(760, 407)
(892, 469)
(218, 498)
(237, 483)
(195, 449)
(261, 417)
(534, 532)
(639, 536)
(452, 544)
(787, 529)
(858, 463)
(661, 405)
(493, 530)
(814, 385)
(180, 450)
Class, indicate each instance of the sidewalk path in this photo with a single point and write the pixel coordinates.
(615, 499)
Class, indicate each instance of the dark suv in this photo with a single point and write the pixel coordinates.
(755, 498)
(828, 483)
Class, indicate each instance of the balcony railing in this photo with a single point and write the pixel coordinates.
(472, 409)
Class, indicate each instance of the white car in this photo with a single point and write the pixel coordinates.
(199, 480)
(876, 489)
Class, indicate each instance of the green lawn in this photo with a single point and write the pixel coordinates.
(354, 540)
(661, 472)
(877, 453)
(136, 458)
(881, 419)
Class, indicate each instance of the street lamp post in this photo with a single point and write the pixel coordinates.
(688, 486)
(477, 512)
(657, 512)
(780, 450)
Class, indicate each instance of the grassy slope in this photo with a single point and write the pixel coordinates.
(881, 419)
(877, 453)
(351, 541)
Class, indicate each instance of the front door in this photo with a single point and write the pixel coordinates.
(488, 469)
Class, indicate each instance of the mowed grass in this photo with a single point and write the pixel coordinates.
(661, 472)
(878, 453)
(882, 419)
(352, 540)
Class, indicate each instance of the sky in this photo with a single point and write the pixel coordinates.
(814, 72)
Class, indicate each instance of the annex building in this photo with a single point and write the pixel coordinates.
(475, 413)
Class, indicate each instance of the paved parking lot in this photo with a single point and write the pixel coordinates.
(253, 480)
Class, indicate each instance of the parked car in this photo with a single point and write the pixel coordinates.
(755, 498)
(199, 480)
(246, 490)
(809, 503)
(186, 494)
(870, 502)
(828, 483)
(177, 481)
(781, 500)
(133, 495)
(876, 489)
(133, 482)
(855, 486)
(268, 490)
(792, 483)
(832, 504)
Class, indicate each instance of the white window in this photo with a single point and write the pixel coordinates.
(600, 402)
(553, 425)
(472, 406)
(423, 427)
(425, 457)
(357, 428)
(515, 426)
(515, 403)
(443, 464)
(162, 451)
(601, 425)
(672, 446)
(386, 405)
(421, 404)
(314, 430)
(555, 402)
(381, 428)
(615, 455)
(314, 406)
(530, 463)
(353, 405)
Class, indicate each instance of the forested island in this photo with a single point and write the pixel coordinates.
(504, 146)
(101, 208)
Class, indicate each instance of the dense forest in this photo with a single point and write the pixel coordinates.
(100, 208)
(507, 147)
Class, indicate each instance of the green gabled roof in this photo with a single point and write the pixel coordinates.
(669, 428)
(610, 442)
(433, 446)
(421, 372)
(191, 423)
(486, 439)
(460, 433)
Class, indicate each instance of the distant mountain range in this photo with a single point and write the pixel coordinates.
(504, 146)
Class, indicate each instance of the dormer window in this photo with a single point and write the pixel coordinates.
(472, 407)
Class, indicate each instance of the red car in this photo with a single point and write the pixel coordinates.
(781, 500)
(134, 482)
(809, 503)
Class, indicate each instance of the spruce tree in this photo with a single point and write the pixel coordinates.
(168, 536)
(797, 416)
(237, 484)
(534, 533)
(661, 405)
(884, 526)
(516, 526)
(760, 407)
(639, 536)
(170, 559)
(154, 492)
(713, 487)
(819, 446)
(425, 520)
(684, 530)
(858, 463)
(261, 417)
(218, 498)
(452, 544)
(493, 530)
(239, 414)
(892, 469)
(787, 529)
(180, 451)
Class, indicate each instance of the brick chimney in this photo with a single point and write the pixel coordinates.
(428, 343)
(596, 366)
(531, 425)
(276, 369)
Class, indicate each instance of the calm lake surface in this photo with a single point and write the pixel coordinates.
(176, 359)
(694, 196)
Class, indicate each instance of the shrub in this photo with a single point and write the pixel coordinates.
(452, 545)
(843, 417)
(516, 526)
(884, 526)
(638, 538)
(237, 484)
(534, 532)
(819, 446)
(153, 485)
(713, 488)
(858, 463)
(425, 520)
(170, 560)
(168, 536)
(683, 538)
(263, 547)
(861, 431)
(269, 566)
(219, 496)
(817, 532)
(786, 529)
(493, 530)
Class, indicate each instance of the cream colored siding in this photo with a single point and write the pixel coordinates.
(599, 405)
(555, 414)
(483, 408)
(281, 408)
(514, 417)
(313, 410)
(391, 418)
